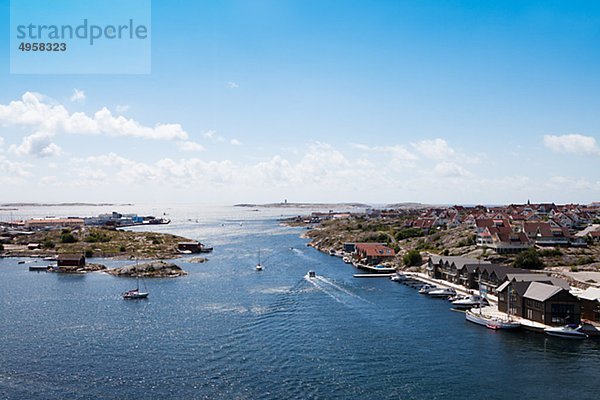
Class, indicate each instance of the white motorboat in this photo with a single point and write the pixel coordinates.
(425, 289)
(347, 260)
(470, 302)
(399, 277)
(312, 274)
(567, 332)
(259, 266)
(444, 292)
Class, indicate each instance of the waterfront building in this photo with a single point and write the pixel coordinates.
(374, 253)
(590, 304)
(540, 302)
(71, 260)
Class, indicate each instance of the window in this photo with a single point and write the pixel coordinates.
(562, 313)
(529, 313)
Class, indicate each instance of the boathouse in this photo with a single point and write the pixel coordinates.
(590, 304)
(540, 302)
(71, 260)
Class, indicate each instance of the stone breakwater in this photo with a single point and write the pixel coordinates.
(154, 269)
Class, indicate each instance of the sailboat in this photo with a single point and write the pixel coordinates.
(135, 294)
(259, 266)
(489, 321)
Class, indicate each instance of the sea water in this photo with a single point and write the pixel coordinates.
(227, 331)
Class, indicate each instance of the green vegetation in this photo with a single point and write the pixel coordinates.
(468, 241)
(412, 258)
(97, 236)
(122, 249)
(48, 243)
(408, 233)
(67, 237)
(89, 253)
(585, 260)
(550, 253)
(528, 259)
(1, 247)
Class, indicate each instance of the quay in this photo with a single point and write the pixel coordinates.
(38, 268)
(386, 275)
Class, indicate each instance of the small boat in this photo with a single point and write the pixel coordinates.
(471, 301)
(568, 332)
(332, 252)
(135, 294)
(347, 260)
(259, 266)
(457, 297)
(398, 277)
(312, 274)
(425, 289)
(444, 292)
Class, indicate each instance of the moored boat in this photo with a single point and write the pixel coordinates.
(134, 294)
(470, 302)
(443, 292)
(490, 321)
(567, 332)
(425, 289)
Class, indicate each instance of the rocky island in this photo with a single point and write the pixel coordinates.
(154, 269)
(92, 242)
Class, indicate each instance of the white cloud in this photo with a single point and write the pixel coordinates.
(232, 85)
(78, 96)
(234, 142)
(398, 152)
(437, 149)
(574, 143)
(451, 170)
(213, 136)
(189, 146)
(49, 180)
(122, 108)
(12, 171)
(47, 119)
(39, 144)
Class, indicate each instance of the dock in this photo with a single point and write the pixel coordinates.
(386, 275)
(38, 268)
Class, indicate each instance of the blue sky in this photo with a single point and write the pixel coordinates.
(431, 101)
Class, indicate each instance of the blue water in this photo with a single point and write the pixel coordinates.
(226, 331)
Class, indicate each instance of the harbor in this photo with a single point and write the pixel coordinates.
(210, 325)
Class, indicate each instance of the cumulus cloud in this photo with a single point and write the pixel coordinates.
(48, 119)
(39, 144)
(12, 171)
(213, 136)
(451, 170)
(574, 143)
(437, 149)
(189, 146)
(122, 108)
(78, 96)
(399, 153)
(232, 85)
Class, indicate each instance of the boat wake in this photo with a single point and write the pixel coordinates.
(335, 291)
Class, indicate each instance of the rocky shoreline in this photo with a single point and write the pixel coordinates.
(153, 269)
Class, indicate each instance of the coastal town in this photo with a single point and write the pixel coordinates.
(536, 264)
